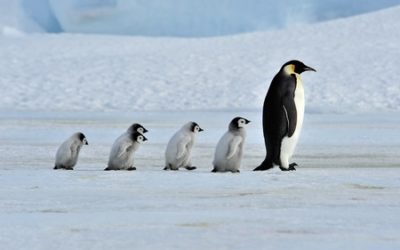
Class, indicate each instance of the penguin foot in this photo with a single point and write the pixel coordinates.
(263, 167)
(110, 169)
(63, 167)
(291, 167)
(190, 167)
(214, 170)
(131, 169)
(235, 171)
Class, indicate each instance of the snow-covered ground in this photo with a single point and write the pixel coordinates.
(310, 209)
(346, 194)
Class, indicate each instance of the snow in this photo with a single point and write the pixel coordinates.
(310, 209)
(345, 194)
(356, 59)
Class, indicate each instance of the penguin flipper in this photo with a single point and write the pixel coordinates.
(124, 148)
(290, 112)
(182, 146)
(233, 146)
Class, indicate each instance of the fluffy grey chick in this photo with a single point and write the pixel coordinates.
(123, 149)
(179, 148)
(67, 154)
(229, 150)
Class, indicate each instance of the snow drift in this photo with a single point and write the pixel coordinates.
(356, 59)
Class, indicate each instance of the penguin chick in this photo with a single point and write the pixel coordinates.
(122, 151)
(283, 114)
(137, 127)
(67, 154)
(229, 150)
(179, 148)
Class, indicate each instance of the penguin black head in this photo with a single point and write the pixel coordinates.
(138, 137)
(195, 128)
(237, 123)
(82, 138)
(138, 128)
(295, 66)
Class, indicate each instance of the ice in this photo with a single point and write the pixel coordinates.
(188, 18)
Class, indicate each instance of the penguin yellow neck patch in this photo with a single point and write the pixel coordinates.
(289, 69)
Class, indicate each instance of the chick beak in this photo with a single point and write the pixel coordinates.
(86, 143)
(145, 130)
(247, 121)
(200, 129)
(144, 139)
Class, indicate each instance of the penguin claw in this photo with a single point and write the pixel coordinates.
(131, 168)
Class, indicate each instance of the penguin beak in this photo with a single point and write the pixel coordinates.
(308, 68)
(144, 138)
(200, 129)
(86, 143)
(145, 130)
(247, 121)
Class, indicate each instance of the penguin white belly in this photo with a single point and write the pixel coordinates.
(289, 143)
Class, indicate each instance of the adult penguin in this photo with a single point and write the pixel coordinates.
(283, 116)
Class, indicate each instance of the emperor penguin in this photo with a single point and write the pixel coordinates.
(67, 154)
(179, 148)
(229, 151)
(123, 149)
(283, 115)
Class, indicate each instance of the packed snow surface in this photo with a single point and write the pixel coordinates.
(344, 195)
(356, 60)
